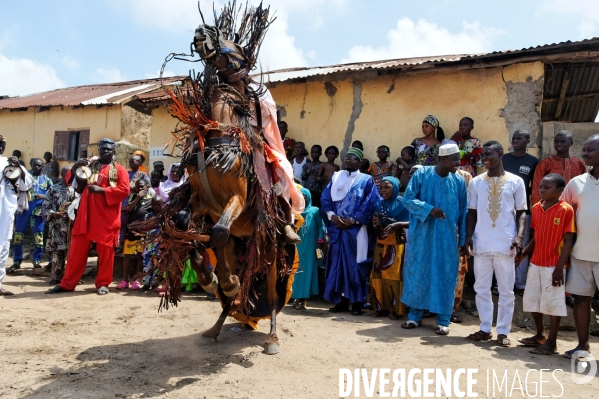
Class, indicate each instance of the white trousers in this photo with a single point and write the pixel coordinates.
(503, 267)
(3, 258)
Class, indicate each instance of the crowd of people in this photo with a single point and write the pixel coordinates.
(396, 237)
(401, 235)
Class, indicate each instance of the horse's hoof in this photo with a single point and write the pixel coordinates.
(213, 286)
(206, 341)
(271, 347)
(231, 293)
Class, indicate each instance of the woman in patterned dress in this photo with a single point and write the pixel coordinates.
(427, 147)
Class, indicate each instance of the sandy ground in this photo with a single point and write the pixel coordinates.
(80, 345)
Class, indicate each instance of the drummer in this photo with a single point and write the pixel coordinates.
(13, 196)
(32, 218)
(55, 214)
(98, 219)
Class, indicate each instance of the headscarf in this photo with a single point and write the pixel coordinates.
(166, 186)
(141, 154)
(391, 209)
(308, 197)
(356, 152)
(431, 120)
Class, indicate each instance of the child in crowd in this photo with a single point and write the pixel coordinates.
(138, 205)
(470, 147)
(404, 165)
(151, 248)
(310, 175)
(561, 163)
(299, 159)
(382, 168)
(364, 163)
(55, 214)
(326, 170)
(553, 221)
(390, 218)
(311, 231)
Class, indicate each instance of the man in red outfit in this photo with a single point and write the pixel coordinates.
(98, 220)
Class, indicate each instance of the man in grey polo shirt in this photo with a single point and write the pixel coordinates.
(583, 278)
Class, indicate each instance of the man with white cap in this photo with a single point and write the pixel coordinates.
(496, 222)
(436, 198)
(13, 197)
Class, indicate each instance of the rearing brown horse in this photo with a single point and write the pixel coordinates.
(232, 182)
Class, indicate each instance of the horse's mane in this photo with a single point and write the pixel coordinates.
(246, 29)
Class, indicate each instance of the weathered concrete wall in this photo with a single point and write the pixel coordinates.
(580, 133)
(162, 126)
(32, 132)
(136, 127)
(386, 110)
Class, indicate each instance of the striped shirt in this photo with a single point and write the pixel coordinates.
(550, 226)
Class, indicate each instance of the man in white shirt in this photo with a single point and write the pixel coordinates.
(13, 197)
(496, 223)
(582, 192)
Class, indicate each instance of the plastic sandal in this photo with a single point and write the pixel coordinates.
(123, 285)
(135, 286)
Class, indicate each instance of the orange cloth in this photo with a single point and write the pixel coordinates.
(549, 227)
(142, 168)
(567, 167)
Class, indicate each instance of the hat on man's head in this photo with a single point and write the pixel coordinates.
(2, 138)
(106, 141)
(158, 163)
(356, 152)
(448, 149)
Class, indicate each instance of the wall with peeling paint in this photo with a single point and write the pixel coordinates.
(389, 110)
(32, 132)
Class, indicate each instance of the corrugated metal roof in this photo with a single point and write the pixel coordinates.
(112, 93)
(581, 97)
(282, 75)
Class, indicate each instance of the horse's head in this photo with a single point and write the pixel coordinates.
(225, 56)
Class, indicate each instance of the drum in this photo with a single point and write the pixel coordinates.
(83, 173)
(12, 173)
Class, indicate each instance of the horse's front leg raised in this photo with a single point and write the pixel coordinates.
(220, 238)
(271, 346)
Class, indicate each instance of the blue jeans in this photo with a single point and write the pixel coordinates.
(416, 315)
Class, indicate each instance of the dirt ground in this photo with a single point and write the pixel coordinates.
(80, 345)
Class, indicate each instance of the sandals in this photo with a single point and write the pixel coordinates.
(123, 285)
(442, 330)
(135, 286)
(569, 354)
(537, 351)
(103, 291)
(480, 336)
(455, 318)
(410, 324)
(530, 342)
(503, 341)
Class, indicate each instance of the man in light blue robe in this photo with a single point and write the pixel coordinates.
(436, 198)
(347, 204)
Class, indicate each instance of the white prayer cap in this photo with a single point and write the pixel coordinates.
(448, 149)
